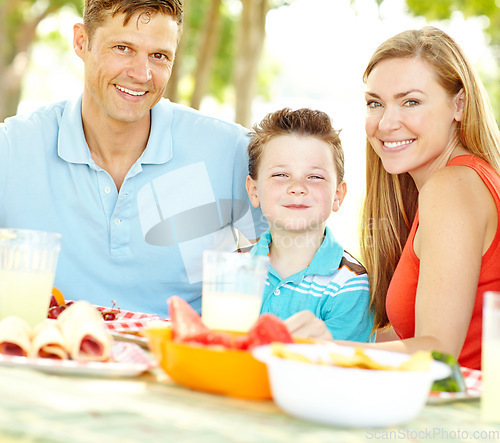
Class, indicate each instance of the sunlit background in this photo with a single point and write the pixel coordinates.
(318, 49)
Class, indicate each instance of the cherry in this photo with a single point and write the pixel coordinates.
(111, 313)
(108, 316)
(55, 311)
(53, 302)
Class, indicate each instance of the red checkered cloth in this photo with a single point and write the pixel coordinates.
(127, 320)
(473, 380)
(473, 384)
(131, 354)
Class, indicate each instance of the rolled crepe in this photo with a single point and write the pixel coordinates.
(85, 335)
(15, 336)
(48, 341)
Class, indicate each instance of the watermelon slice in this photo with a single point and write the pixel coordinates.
(267, 329)
(187, 326)
(186, 322)
(240, 342)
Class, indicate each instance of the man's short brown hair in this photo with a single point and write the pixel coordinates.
(95, 11)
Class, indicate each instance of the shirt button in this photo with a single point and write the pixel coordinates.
(117, 221)
(107, 189)
(277, 292)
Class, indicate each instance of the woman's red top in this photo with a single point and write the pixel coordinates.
(402, 290)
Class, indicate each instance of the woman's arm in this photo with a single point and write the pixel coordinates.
(458, 220)
(454, 211)
(386, 334)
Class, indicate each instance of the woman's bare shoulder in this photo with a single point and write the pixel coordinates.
(458, 185)
(454, 205)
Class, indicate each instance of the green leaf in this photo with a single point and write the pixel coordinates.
(455, 382)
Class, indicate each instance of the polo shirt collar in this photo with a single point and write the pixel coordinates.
(328, 257)
(262, 246)
(73, 148)
(159, 147)
(326, 260)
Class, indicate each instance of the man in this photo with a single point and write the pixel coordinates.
(138, 187)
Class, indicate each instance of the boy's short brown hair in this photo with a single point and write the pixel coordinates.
(303, 121)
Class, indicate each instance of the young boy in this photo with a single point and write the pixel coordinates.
(296, 169)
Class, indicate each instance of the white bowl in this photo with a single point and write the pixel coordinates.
(348, 396)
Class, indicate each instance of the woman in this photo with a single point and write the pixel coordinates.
(430, 222)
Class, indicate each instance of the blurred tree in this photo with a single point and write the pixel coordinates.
(197, 23)
(207, 51)
(250, 43)
(251, 36)
(18, 22)
(221, 52)
(172, 91)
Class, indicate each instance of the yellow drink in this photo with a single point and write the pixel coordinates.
(25, 294)
(233, 286)
(490, 398)
(490, 358)
(230, 311)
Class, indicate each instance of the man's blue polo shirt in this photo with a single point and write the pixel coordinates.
(334, 287)
(185, 194)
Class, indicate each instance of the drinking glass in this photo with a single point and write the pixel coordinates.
(28, 261)
(233, 286)
(490, 365)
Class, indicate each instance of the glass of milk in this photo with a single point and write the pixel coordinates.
(28, 261)
(233, 286)
(490, 365)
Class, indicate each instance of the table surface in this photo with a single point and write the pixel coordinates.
(36, 406)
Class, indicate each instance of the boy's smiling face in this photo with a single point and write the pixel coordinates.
(297, 185)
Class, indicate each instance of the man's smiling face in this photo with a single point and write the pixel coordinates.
(127, 67)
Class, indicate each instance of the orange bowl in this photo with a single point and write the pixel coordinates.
(230, 372)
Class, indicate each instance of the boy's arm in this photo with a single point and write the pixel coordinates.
(346, 315)
(305, 324)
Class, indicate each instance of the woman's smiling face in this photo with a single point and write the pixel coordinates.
(411, 120)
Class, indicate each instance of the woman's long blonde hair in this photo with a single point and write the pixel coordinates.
(391, 200)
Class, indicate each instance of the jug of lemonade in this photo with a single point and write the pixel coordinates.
(233, 286)
(28, 261)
